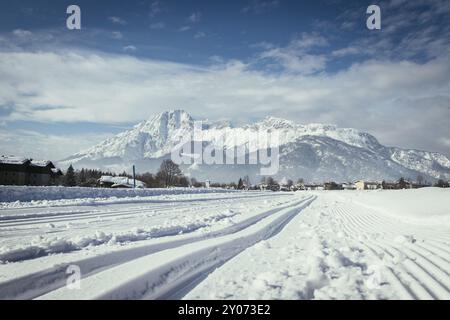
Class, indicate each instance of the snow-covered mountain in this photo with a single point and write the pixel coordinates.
(315, 152)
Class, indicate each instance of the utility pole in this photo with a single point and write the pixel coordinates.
(134, 176)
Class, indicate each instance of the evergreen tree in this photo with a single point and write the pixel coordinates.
(240, 185)
(70, 179)
(82, 177)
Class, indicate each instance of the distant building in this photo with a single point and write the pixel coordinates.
(348, 186)
(332, 186)
(389, 185)
(21, 171)
(263, 186)
(266, 187)
(366, 185)
(119, 182)
(298, 186)
(313, 187)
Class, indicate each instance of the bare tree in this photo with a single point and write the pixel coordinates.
(169, 173)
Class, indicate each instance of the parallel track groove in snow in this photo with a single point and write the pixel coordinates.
(158, 275)
(45, 281)
(421, 267)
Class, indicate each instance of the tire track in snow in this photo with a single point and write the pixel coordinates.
(168, 272)
(37, 284)
(25, 219)
(123, 201)
(93, 215)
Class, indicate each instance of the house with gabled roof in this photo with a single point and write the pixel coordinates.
(22, 171)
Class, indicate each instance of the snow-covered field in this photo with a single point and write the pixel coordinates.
(226, 245)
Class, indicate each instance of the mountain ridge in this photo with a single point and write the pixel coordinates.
(332, 153)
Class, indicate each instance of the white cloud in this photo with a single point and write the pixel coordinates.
(402, 103)
(117, 20)
(129, 48)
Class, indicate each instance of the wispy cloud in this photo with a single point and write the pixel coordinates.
(199, 35)
(185, 28)
(195, 17)
(117, 20)
(155, 9)
(116, 35)
(22, 33)
(130, 49)
(411, 30)
(295, 57)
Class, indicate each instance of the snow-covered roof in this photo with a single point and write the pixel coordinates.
(23, 160)
(13, 160)
(123, 181)
(40, 163)
(56, 170)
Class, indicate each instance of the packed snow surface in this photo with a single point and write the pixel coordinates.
(231, 245)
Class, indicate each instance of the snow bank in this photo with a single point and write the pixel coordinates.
(24, 193)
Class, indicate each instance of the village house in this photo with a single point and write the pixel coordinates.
(21, 171)
(348, 186)
(297, 187)
(263, 186)
(312, 187)
(366, 185)
(119, 182)
(389, 185)
(266, 187)
(332, 186)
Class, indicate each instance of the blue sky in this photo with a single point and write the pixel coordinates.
(309, 61)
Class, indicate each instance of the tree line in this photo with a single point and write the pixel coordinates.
(170, 175)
